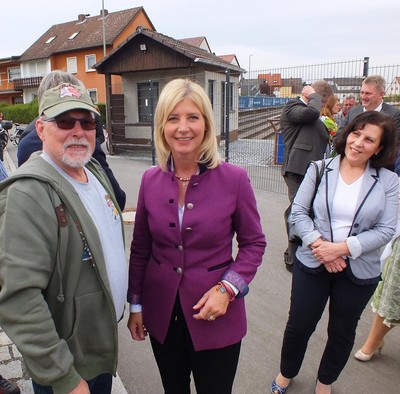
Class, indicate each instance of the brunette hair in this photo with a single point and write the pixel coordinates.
(323, 88)
(172, 94)
(386, 157)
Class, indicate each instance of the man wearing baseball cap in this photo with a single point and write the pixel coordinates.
(63, 292)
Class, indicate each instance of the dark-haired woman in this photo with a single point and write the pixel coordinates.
(355, 214)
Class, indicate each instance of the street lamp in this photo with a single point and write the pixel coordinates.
(248, 93)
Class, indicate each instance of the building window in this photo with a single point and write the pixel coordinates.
(147, 99)
(93, 94)
(50, 39)
(211, 91)
(72, 65)
(34, 69)
(13, 73)
(73, 35)
(90, 60)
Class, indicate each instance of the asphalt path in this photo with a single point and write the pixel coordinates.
(267, 309)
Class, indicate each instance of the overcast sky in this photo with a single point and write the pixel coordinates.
(270, 33)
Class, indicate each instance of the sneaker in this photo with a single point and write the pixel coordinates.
(8, 387)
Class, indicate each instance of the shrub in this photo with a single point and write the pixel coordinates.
(21, 113)
(102, 109)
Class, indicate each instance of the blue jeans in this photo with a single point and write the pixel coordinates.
(99, 385)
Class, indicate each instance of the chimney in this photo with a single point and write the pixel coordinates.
(81, 17)
(105, 13)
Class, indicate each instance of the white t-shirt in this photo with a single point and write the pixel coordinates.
(105, 216)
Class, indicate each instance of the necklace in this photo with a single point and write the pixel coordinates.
(182, 179)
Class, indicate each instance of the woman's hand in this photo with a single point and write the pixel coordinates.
(213, 304)
(336, 266)
(327, 252)
(136, 327)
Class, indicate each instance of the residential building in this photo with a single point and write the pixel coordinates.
(199, 42)
(75, 47)
(394, 87)
(343, 86)
(10, 71)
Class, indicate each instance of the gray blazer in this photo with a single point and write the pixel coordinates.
(373, 225)
(389, 110)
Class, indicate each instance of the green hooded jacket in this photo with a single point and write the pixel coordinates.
(55, 306)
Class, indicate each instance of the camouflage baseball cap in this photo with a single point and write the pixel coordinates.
(65, 97)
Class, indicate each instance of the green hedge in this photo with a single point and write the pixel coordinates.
(25, 113)
(20, 113)
(102, 108)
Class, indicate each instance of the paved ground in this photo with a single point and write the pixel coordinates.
(267, 308)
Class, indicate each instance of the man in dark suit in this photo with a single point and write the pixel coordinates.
(305, 138)
(371, 97)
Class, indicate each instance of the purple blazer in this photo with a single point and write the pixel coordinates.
(166, 260)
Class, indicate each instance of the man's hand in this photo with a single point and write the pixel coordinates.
(307, 91)
(81, 388)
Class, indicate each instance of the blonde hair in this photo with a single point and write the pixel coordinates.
(377, 81)
(173, 93)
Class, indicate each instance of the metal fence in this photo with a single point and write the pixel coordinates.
(261, 95)
(262, 153)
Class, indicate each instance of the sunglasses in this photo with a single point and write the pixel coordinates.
(68, 123)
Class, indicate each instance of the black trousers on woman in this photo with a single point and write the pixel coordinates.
(310, 293)
(213, 370)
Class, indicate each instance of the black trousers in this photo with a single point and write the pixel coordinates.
(310, 294)
(213, 370)
(293, 182)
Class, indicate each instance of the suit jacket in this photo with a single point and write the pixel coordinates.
(166, 260)
(386, 108)
(305, 137)
(373, 225)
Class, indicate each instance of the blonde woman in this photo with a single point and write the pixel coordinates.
(185, 287)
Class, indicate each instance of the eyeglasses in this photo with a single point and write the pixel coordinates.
(68, 123)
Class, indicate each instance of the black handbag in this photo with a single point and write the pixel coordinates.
(293, 237)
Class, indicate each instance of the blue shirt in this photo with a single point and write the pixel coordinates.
(3, 172)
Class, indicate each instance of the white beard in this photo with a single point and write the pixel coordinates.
(76, 161)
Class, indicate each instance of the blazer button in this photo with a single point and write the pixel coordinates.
(356, 225)
(180, 248)
(189, 205)
(188, 229)
(354, 234)
(179, 271)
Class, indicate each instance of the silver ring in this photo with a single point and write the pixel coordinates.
(211, 318)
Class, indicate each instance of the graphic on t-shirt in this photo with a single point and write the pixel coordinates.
(111, 205)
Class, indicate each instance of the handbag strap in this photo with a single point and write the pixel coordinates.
(319, 171)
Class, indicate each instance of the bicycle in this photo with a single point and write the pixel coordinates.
(5, 125)
(14, 137)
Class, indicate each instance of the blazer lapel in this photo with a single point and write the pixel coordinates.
(370, 179)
